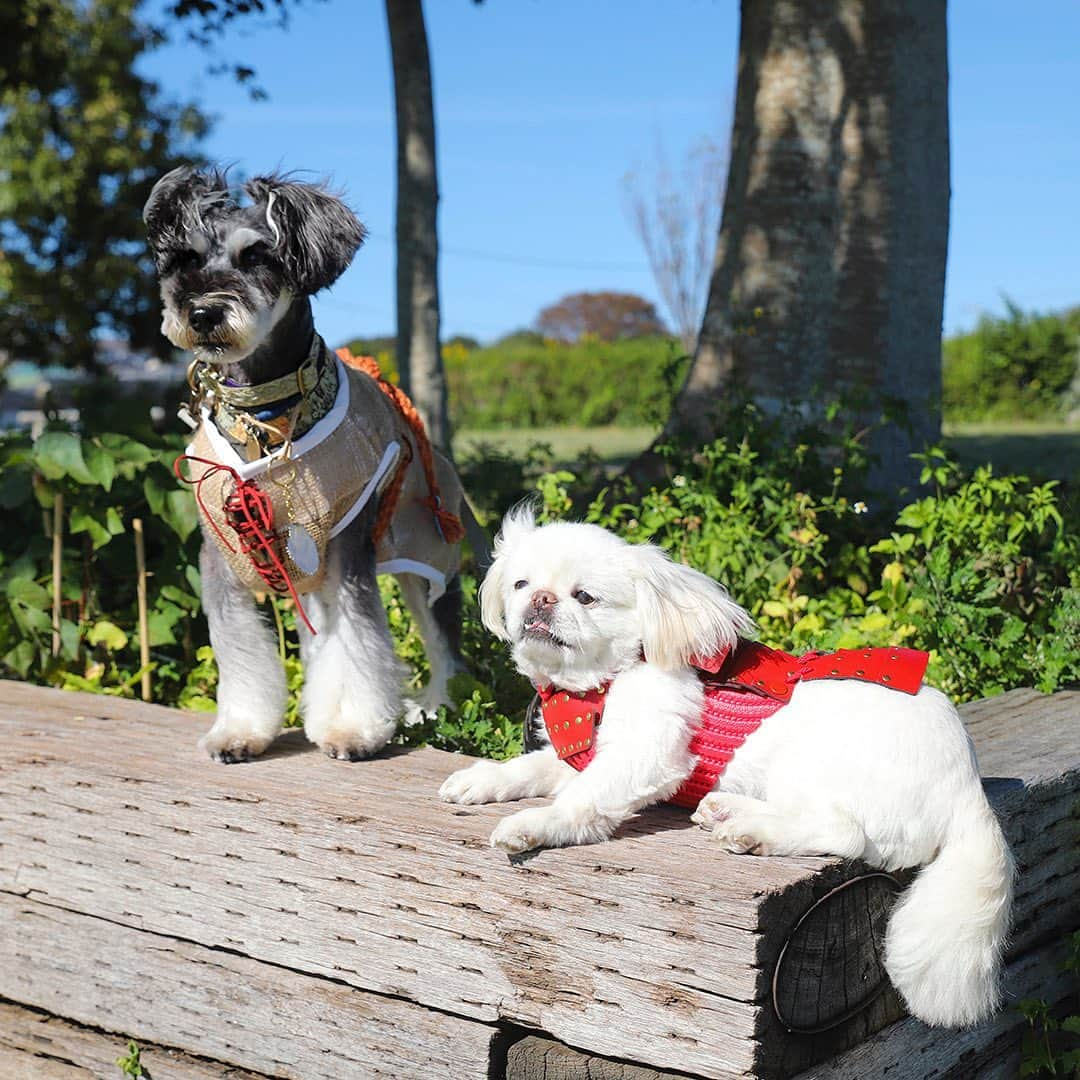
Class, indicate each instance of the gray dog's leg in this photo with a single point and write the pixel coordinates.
(251, 688)
(440, 629)
(352, 678)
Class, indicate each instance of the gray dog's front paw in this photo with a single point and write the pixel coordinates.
(346, 743)
(230, 744)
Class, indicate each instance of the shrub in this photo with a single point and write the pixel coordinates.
(983, 573)
(1017, 367)
(529, 383)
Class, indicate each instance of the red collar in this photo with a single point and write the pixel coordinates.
(571, 719)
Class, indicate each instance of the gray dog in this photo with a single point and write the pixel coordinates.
(309, 477)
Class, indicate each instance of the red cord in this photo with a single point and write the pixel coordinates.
(249, 512)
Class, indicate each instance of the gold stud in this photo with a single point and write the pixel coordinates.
(565, 697)
(887, 678)
(577, 719)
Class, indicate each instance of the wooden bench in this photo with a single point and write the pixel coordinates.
(302, 917)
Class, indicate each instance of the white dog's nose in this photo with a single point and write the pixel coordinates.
(542, 599)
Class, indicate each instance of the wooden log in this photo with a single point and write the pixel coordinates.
(654, 947)
(215, 1004)
(908, 1050)
(36, 1046)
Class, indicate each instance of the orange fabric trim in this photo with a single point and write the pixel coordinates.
(449, 525)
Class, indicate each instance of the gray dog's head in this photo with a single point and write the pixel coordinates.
(230, 269)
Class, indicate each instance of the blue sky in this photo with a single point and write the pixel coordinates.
(542, 107)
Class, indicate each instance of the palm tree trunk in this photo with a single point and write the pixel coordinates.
(419, 359)
(829, 272)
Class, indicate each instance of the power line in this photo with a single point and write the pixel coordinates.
(529, 260)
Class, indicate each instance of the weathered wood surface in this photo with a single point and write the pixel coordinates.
(655, 947)
(34, 1046)
(223, 1006)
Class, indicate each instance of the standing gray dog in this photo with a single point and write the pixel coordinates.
(309, 476)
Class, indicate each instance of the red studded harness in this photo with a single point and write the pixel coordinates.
(741, 691)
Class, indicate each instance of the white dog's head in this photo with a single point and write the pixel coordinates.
(578, 604)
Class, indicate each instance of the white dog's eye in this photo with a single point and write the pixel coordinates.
(520, 584)
(582, 597)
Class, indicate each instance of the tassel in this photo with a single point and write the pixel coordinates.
(449, 525)
(249, 512)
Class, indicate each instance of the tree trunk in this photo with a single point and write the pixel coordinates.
(419, 359)
(829, 272)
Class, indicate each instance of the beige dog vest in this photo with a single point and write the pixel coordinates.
(331, 474)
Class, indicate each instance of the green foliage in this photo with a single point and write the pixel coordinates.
(105, 482)
(1020, 366)
(1051, 1046)
(83, 138)
(525, 382)
(984, 573)
(131, 1065)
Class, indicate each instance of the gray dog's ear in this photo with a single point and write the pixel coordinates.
(173, 200)
(316, 234)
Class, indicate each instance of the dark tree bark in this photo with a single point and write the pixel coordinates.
(830, 263)
(419, 359)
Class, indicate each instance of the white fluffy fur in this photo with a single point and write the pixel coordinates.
(847, 768)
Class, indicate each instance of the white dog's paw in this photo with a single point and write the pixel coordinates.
(479, 783)
(230, 742)
(527, 829)
(743, 825)
(715, 807)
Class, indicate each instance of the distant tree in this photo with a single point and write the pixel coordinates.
(83, 138)
(463, 341)
(829, 269)
(606, 315)
(676, 214)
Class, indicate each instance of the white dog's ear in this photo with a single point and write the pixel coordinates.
(519, 522)
(683, 612)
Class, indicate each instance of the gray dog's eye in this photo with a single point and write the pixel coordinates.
(520, 584)
(188, 260)
(582, 597)
(252, 256)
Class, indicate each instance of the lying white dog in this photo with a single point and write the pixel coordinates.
(808, 757)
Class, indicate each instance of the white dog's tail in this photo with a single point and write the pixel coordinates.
(946, 935)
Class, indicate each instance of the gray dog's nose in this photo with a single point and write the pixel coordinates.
(205, 317)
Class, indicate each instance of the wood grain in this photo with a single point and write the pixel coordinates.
(34, 1046)
(220, 1005)
(655, 947)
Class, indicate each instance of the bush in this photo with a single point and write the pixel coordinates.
(541, 383)
(1018, 367)
(983, 573)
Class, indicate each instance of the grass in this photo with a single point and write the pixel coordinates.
(1042, 450)
(614, 445)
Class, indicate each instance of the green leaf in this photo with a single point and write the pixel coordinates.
(21, 658)
(22, 590)
(108, 634)
(82, 521)
(59, 454)
(100, 464)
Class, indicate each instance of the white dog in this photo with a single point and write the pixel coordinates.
(850, 768)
